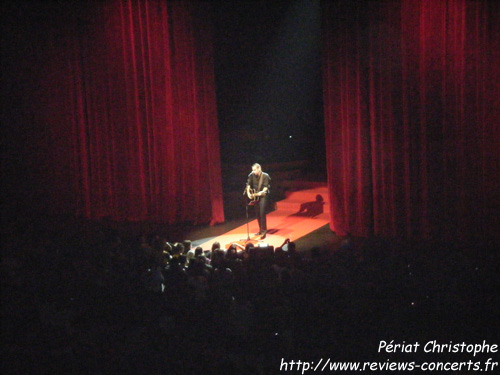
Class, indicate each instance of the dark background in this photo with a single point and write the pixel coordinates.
(269, 89)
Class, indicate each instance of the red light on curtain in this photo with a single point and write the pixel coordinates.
(128, 90)
(411, 117)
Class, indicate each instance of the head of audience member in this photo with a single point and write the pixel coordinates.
(217, 258)
(187, 246)
(177, 249)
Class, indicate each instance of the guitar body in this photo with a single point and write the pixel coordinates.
(252, 195)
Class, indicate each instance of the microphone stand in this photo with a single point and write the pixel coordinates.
(248, 229)
(248, 239)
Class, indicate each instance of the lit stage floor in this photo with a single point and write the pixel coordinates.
(301, 213)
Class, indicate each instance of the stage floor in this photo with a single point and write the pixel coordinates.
(300, 214)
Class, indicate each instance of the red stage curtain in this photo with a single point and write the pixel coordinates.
(125, 113)
(411, 93)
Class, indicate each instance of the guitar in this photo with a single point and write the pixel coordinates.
(254, 196)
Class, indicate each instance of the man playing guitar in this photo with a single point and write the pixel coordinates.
(257, 189)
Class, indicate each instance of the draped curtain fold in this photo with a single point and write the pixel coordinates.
(411, 93)
(126, 105)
